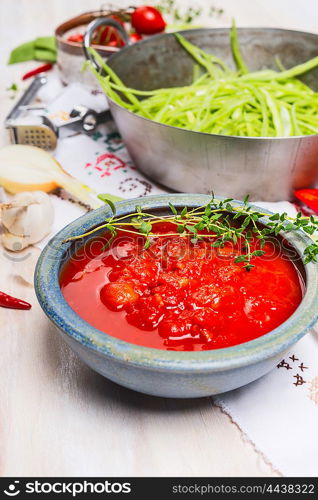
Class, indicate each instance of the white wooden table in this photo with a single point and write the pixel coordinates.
(59, 418)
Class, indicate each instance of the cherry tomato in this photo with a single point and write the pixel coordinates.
(135, 37)
(147, 20)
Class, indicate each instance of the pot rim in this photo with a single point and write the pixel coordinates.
(119, 53)
(76, 48)
(70, 323)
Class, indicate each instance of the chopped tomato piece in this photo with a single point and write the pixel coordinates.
(118, 295)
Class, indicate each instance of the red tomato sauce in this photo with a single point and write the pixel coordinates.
(178, 295)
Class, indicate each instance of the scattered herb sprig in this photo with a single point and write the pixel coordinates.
(13, 89)
(186, 15)
(217, 217)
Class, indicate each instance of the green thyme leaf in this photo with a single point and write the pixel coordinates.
(109, 202)
(173, 209)
(184, 212)
(213, 223)
(145, 227)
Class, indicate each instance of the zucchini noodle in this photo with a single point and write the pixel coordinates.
(264, 103)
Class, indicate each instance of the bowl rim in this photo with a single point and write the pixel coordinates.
(54, 305)
(119, 53)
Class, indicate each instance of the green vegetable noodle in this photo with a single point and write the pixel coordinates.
(264, 103)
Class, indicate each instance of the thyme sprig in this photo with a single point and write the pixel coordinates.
(216, 217)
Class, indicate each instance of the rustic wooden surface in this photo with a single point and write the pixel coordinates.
(59, 418)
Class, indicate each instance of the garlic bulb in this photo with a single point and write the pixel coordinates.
(26, 219)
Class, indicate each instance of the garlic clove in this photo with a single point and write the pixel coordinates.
(14, 243)
(26, 220)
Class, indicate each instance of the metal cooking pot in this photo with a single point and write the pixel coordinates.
(266, 168)
(70, 55)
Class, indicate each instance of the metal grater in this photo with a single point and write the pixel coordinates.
(39, 130)
(33, 130)
(38, 135)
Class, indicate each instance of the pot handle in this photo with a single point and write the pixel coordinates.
(102, 21)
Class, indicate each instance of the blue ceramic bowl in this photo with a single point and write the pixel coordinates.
(154, 371)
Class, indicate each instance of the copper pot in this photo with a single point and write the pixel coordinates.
(70, 57)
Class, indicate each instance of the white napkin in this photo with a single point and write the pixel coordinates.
(279, 412)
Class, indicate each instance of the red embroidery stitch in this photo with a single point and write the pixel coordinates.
(106, 164)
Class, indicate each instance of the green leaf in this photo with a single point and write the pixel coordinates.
(184, 211)
(290, 227)
(274, 217)
(247, 197)
(192, 229)
(278, 228)
(216, 217)
(46, 43)
(217, 243)
(110, 197)
(207, 210)
(44, 55)
(173, 209)
(145, 227)
(248, 267)
(258, 253)
(240, 258)
(180, 228)
(24, 52)
(13, 87)
(42, 49)
(309, 230)
(136, 221)
(246, 222)
(237, 215)
(105, 199)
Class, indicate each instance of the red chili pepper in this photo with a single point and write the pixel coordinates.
(12, 302)
(309, 197)
(36, 71)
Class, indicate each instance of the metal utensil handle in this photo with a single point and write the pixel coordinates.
(28, 95)
(103, 21)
